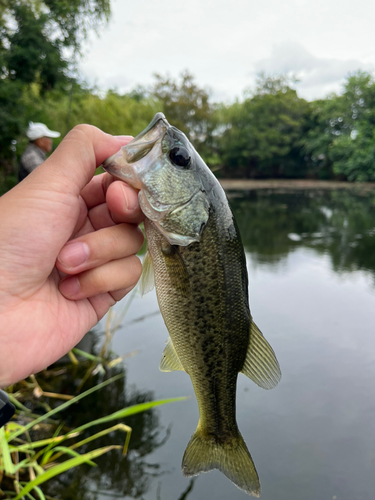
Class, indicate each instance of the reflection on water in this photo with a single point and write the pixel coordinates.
(311, 263)
(339, 223)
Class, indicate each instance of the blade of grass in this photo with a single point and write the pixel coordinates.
(85, 354)
(38, 470)
(6, 457)
(68, 451)
(65, 405)
(24, 463)
(123, 427)
(40, 493)
(54, 395)
(60, 468)
(72, 358)
(29, 447)
(126, 412)
(50, 445)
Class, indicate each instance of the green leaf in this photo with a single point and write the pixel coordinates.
(64, 406)
(126, 412)
(5, 453)
(85, 354)
(69, 451)
(60, 468)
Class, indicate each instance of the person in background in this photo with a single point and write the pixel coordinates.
(40, 144)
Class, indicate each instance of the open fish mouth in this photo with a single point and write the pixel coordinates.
(141, 145)
(122, 164)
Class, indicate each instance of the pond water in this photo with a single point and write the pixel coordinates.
(311, 264)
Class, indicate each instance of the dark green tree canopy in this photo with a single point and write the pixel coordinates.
(263, 133)
(342, 137)
(31, 55)
(35, 36)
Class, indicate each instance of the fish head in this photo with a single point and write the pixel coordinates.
(162, 163)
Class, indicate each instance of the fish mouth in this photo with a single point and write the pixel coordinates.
(141, 145)
(122, 164)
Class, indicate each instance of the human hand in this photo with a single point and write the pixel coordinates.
(67, 252)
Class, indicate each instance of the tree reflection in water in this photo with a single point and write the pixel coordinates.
(340, 223)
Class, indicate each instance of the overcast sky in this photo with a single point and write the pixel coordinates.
(224, 43)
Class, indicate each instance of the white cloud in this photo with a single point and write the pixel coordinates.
(224, 44)
(317, 75)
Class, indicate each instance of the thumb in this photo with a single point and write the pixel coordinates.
(72, 165)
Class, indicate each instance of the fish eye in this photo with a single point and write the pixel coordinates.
(180, 156)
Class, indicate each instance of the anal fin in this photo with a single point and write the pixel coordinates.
(170, 361)
(261, 364)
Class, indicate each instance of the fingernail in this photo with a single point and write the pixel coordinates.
(122, 138)
(74, 254)
(70, 286)
(131, 198)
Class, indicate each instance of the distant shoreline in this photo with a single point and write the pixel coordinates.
(293, 184)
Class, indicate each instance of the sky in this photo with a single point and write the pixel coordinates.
(226, 43)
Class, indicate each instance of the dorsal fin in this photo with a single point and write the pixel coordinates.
(261, 364)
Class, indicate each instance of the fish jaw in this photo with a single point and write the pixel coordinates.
(131, 162)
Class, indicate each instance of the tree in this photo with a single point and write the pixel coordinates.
(187, 107)
(343, 138)
(31, 56)
(35, 36)
(263, 134)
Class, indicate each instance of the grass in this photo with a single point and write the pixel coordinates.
(37, 461)
(35, 448)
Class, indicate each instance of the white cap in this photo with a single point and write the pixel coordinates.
(38, 130)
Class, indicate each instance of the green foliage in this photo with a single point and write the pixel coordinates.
(33, 35)
(36, 445)
(272, 132)
(31, 55)
(19, 455)
(115, 114)
(187, 107)
(76, 17)
(263, 134)
(11, 114)
(342, 139)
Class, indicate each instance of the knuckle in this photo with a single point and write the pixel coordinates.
(138, 237)
(127, 236)
(82, 128)
(100, 279)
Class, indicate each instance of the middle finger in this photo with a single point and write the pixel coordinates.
(96, 248)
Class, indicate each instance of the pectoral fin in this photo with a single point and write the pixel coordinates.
(261, 364)
(147, 281)
(170, 361)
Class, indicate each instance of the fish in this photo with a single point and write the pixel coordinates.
(196, 261)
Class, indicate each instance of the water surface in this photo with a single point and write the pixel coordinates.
(311, 264)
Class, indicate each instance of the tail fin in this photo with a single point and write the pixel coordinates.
(232, 458)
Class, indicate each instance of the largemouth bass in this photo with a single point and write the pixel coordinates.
(196, 260)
